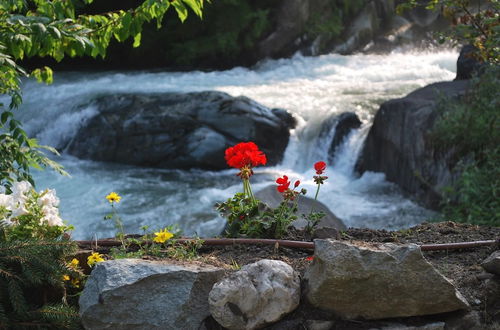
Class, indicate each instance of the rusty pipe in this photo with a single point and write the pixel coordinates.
(292, 244)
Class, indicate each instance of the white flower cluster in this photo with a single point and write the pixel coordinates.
(22, 193)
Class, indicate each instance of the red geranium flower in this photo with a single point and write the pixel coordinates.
(310, 258)
(320, 167)
(283, 184)
(245, 154)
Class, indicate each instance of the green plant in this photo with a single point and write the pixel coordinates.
(32, 286)
(54, 29)
(471, 129)
(27, 214)
(248, 217)
(473, 22)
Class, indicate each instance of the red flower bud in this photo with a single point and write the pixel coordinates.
(296, 184)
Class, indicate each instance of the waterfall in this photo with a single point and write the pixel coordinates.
(314, 89)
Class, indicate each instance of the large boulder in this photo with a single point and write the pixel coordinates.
(258, 294)
(377, 281)
(271, 197)
(179, 130)
(139, 294)
(398, 143)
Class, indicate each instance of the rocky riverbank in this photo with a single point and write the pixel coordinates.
(476, 292)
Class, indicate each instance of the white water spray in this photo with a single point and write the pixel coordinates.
(313, 88)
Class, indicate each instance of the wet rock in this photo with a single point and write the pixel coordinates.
(258, 294)
(273, 198)
(337, 128)
(377, 281)
(397, 143)
(139, 294)
(179, 130)
(492, 263)
(467, 64)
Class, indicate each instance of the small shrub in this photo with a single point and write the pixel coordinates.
(471, 128)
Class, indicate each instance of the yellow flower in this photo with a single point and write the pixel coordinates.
(65, 277)
(73, 263)
(162, 236)
(113, 197)
(94, 258)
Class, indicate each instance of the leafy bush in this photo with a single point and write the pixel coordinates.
(472, 129)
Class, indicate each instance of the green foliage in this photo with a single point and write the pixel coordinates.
(471, 128)
(229, 30)
(30, 272)
(473, 22)
(242, 216)
(247, 219)
(53, 29)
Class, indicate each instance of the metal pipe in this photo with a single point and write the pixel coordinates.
(291, 244)
(460, 245)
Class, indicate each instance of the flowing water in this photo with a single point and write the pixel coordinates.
(313, 88)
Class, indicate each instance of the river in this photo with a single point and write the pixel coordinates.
(312, 88)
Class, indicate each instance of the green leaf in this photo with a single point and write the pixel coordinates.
(137, 40)
(181, 10)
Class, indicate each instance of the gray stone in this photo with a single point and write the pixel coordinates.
(258, 294)
(429, 326)
(319, 325)
(179, 130)
(492, 263)
(398, 144)
(492, 298)
(376, 281)
(270, 196)
(463, 320)
(139, 294)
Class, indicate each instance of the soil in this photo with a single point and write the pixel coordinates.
(461, 266)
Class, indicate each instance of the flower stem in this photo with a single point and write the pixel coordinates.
(315, 199)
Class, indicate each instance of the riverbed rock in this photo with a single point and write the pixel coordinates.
(139, 294)
(398, 144)
(340, 126)
(179, 130)
(270, 196)
(467, 64)
(361, 31)
(376, 281)
(258, 294)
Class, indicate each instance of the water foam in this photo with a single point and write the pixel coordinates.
(312, 88)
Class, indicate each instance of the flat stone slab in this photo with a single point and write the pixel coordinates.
(377, 281)
(137, 294)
